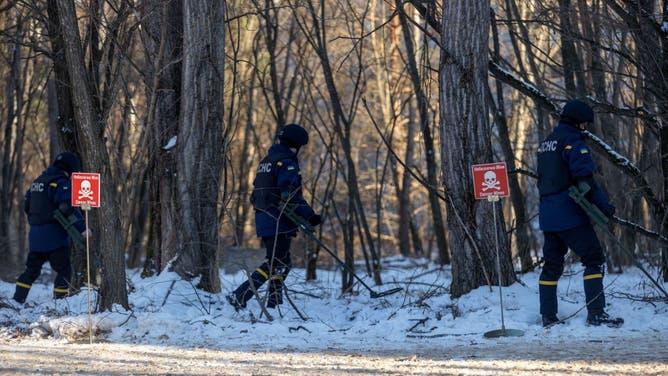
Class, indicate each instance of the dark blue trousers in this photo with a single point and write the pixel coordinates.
(583, 241)
(60, 263)
(276, 267)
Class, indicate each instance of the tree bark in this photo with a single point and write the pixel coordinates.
(465, 140)
(422, 102)
(573, 75)
(343, 128)
(516, 198)
(200, 158)
(11, 144)
(163, 30)
(65, 123)
(90, 128)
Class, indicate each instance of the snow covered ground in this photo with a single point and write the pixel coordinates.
(418, 330)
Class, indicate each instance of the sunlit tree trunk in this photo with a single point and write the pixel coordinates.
(423, 117)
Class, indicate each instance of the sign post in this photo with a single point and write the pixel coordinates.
(490, 181)
(86, 194)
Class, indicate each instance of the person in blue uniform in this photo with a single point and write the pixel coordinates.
(277, 182)
(564, 160)
(48, 240)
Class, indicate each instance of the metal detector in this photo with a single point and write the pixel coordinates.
(306, 227)
(578, 194)
(503, 332)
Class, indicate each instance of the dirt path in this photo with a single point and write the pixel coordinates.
(633, 356)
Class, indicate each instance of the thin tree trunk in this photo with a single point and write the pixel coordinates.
(573, 75)
(163, 33)
(11, 144)
(516, 197)
(65, 124)
(342, 127)
(422, 102)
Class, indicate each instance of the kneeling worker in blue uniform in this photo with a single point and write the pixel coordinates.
(277, 184)
(48, 240)
(564, 160)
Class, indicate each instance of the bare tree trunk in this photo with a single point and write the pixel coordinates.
(65, 124)
(399, 118)
(465, 140)
(11, 143)
(163, 34)
(201, 152)
(652, 51)
(241, 208)
(343, 127)
(90, 128)
(573, 74)
(436, 214)
(521, 227)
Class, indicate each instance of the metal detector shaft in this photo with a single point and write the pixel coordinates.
(310, 231)
(68, 224)
(596, 215)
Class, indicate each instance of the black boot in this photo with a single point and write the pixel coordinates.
(602, 318)
(549, 320)
(234, 302)
(21, 292)
(239, 297)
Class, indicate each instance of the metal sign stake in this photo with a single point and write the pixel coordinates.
(85, 206)
(503, 332)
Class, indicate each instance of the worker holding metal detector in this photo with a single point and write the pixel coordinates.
(277, 184)
(55, 226)
(565, 163)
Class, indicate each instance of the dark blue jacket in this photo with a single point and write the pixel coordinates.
(50, 191)
(563, 159)
(279, 172)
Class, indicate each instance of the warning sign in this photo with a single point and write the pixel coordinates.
(86, 189)
(490, 179)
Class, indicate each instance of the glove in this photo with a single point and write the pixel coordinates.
(315, 219)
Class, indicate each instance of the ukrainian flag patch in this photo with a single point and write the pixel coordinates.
(290, 168)
(584, 151)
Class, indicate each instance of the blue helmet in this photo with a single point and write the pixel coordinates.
(576, 112)
(293, 136)
(68, 162)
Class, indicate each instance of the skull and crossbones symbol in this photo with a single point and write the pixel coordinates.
(85, 192)
(490, 181)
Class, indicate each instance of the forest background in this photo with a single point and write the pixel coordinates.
(174, 102)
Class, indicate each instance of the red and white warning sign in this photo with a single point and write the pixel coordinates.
(490, 179)
(86, 189)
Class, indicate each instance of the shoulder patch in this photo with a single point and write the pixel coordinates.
(290, 168)
(584, 151)
(279, 163)
(53, 184)
(568, 147)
